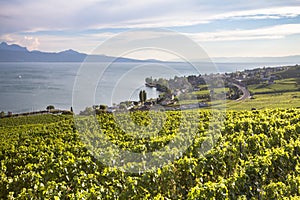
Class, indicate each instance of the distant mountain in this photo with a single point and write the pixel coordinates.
(13, 47)
(16, 53)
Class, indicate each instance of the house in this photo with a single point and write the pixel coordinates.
(111, 109)
(148, 103)
(197, 88)
(144, 108)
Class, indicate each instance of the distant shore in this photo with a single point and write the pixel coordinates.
(54, 111)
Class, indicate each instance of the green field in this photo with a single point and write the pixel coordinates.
(216, 91)
(258, 101)
(283, 85)
(263, 101)
(255, 156)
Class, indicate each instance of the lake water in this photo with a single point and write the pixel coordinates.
(28, 86)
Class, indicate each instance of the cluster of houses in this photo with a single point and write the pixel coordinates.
(255, 76)
(153, 104)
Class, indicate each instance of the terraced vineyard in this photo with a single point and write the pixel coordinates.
(256, 155)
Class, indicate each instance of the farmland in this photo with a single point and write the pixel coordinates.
(256, 155)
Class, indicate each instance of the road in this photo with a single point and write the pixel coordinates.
(246, 93)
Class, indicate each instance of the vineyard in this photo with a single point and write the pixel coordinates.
(195, 154)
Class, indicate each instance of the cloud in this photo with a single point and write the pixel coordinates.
(254, 42)
(56, 43)
(30, 15)
(192, 16)
(274, 32)
(82, 25)
(271, 12)
(87, 42)
(30, 42)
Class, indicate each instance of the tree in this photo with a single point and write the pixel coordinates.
(149, 80)
(87, 111)
(2, 114)
(143, 96)
(103, 107)
(50, 107)
(122, 106)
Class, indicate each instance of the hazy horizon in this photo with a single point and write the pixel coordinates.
(271, 59)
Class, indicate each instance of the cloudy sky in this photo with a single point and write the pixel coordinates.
(228, 28)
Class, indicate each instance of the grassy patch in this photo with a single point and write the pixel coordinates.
(284, 85)
(262, 101)
(216, 91)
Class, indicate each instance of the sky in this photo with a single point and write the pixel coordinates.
(231, 28)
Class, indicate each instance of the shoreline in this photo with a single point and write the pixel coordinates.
(41, 112)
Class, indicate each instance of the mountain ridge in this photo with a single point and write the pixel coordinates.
(17, 53)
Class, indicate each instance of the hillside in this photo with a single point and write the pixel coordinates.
(256, 156)
(290, 72)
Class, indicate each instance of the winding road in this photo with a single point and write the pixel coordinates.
(246, 93)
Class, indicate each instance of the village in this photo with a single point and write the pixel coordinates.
(178, 90)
